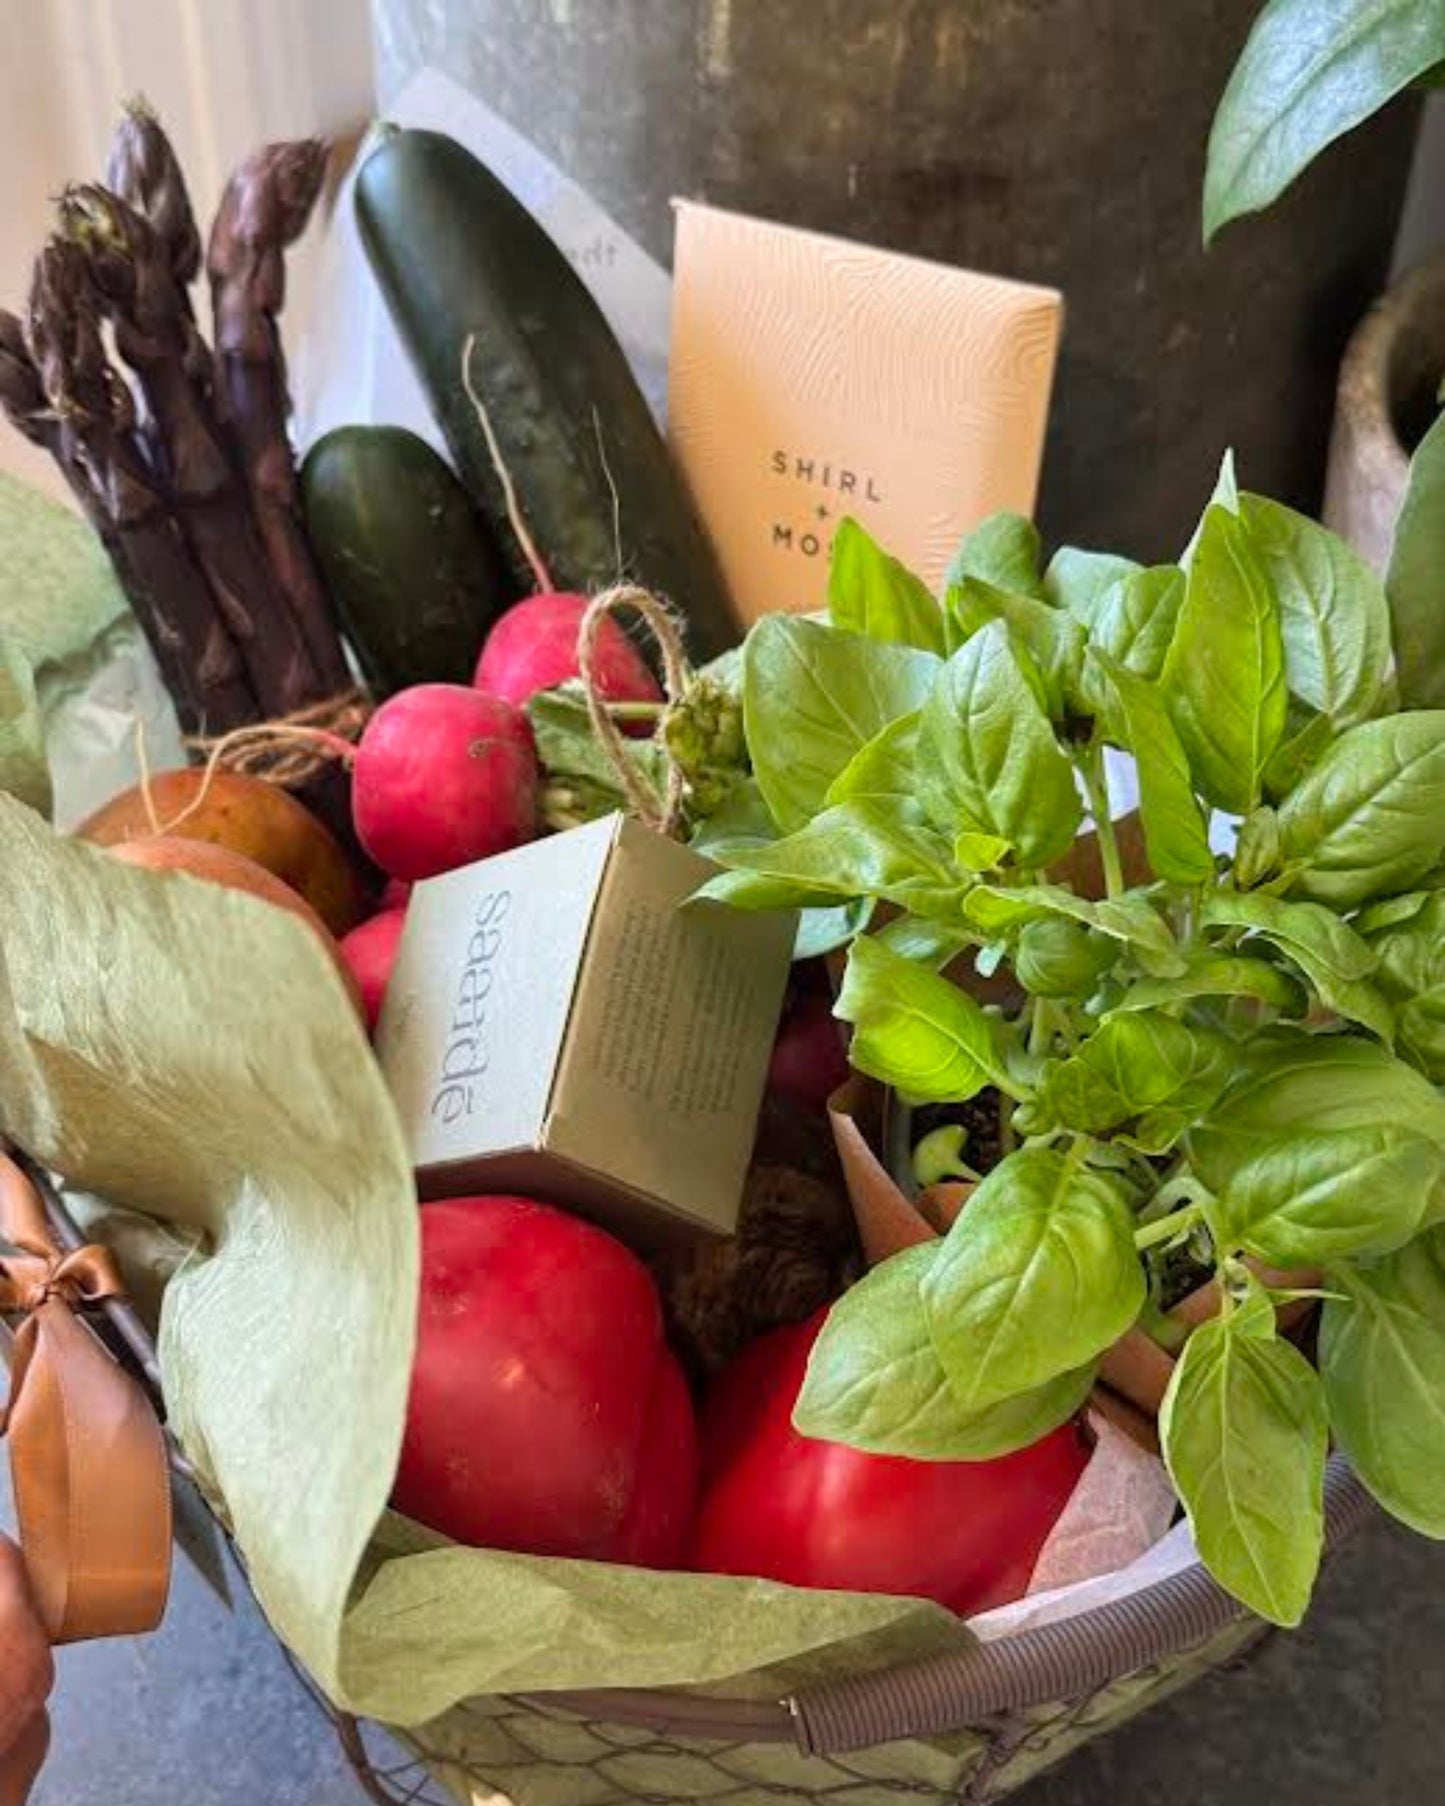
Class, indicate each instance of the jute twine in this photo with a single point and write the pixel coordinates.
(293, 748)
(664, 816)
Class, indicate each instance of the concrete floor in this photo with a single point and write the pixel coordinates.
(1348, 1712)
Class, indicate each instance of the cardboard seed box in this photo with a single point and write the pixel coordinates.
(557, 1026)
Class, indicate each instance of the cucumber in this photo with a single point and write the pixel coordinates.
(408, 566)
(460, 260)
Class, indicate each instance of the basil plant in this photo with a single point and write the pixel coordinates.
(1220, 1060)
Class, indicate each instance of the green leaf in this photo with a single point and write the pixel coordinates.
(1174, 826)
(875, 846)
(913, 1029)
(875, 1381)
(1336, 961)
(1410, 951)
(1080, 581)
(1325, 1148)
(1004, 551)
(871, 593)
(1051, 638)
(1059, 958)
(1310, 71)
(1138, 618)
(1225, 494)
(824, 929)
(1415, 580)
(1256, 848)
(1334, 619)
(812, 697)
(1145, 1069)
(1367, 820)
(1306, 738)
(988, 759)
(884, 766)
(1382, 1359)
(567, 747)
(1245, 1434)
(1224, 677)
(925, 941)
(1037, 1277)
(1131, 919)
(1217, 975)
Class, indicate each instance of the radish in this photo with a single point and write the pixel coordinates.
(443, 776)
(808, 1063)
(533, 647)
(370, 954)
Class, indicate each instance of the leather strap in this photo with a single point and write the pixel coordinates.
(92, 1488)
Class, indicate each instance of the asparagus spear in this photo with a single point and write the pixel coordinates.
(144, 171)
(264, 209)
(158, 339)
(70, 398)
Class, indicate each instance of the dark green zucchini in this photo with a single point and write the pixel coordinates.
(463, 264)
(413, 578)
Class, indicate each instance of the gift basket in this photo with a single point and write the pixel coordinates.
(746, 1413)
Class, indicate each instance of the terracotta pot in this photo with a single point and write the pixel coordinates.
(1387, 397)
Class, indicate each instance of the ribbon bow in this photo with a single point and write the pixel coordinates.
(92, 1492)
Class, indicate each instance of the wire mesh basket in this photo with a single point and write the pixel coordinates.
(969, 1725)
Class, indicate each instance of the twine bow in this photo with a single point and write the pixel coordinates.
(92, 1492)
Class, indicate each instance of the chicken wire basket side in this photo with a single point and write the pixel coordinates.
(969, 1725)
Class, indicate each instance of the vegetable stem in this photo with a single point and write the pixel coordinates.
(1096, 784)
(1169, 1228)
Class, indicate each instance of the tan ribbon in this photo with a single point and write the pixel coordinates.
(92, 1490)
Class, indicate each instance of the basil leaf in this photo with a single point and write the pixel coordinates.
(1256, 848)
(1410, 952)
(1382, 1359)
(1306, 738)
(875, 1381)
(914, 1030)
(742, 816)
(1143, 1068)
(1325, 1148)
(824, 928)
(883, 766)
(1224, 677)
(1245, 1434)
(1059, 958)
(1131, 919)
(1137, 619)
(812, 697)
(1225, 493)
(987, 754)
(1367, 820)
(1053, 640)
(1336, 961)
(1310, 71)
(22, 739)
(1003, 550)
(1081, 581)
(743, 889)
(874, 846)
(1415, 580)
(1334, 619)
(925, 942)
(1175, 834)
(1389, 911)
(871, 593)
(1037, 1277)
(1217, 975)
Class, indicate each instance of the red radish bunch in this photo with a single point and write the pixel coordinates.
(533, 647)
(547, 1413)
(443, 776)
(370, 954)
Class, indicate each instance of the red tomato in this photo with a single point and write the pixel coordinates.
(816, 1514)
(546, 1413)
